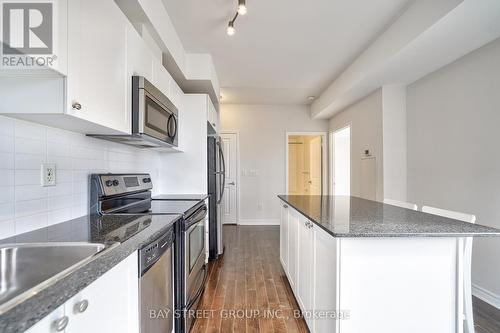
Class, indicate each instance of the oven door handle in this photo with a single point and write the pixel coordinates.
(124, 207)
(202, 212)
(200, 291)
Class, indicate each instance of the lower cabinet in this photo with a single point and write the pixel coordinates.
(109, 304)
(309, 257)
(305, 266)
(284, 236)
(293, 248)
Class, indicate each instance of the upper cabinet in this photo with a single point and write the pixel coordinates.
(97, 63)
(89, 87)
(212, 117)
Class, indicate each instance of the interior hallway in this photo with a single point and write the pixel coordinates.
(248, 277)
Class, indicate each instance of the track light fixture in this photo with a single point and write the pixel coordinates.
(242, 10)
(230, 28)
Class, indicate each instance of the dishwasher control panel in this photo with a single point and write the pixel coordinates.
(150, 253)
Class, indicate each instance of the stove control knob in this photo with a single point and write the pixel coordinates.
(146, 180)
(109, 183)
(115, 182)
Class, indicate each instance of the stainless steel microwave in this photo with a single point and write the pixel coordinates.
(155, 119)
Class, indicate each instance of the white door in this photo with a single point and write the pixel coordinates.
(341, 153)
(315, 163)
(229, 143)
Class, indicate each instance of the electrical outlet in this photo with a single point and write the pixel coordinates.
(48, 175)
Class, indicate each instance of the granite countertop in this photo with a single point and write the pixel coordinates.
(186, 197)
(132, 232)
(347, 216)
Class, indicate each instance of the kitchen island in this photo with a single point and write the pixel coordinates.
(357, 265)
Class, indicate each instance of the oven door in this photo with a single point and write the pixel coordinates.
(194, 260)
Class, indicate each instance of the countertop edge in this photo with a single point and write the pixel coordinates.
(388, 235)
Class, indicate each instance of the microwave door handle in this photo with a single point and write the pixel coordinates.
(170, 118)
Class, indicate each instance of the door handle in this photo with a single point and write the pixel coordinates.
(231, 183)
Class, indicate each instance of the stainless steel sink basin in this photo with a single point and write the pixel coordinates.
(25, 269)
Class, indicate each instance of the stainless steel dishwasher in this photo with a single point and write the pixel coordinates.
(156, 285)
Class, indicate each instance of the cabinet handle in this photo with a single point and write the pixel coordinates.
(81, 306)
(311, 225)
(76, 106)
(285, 206)
(213, 124)
(60, 324)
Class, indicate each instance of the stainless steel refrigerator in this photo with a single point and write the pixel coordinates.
(216, 184)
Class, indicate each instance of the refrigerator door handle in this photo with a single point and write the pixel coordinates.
(222, 173)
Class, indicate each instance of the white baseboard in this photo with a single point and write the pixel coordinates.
(259, 222)
(486, 295)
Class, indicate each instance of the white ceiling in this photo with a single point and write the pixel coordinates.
(283, 50)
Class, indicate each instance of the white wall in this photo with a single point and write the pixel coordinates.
(262, 130)
(24, 204)
(365, 118)
(453, 159)
(395, 145)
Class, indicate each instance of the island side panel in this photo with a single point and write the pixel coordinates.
(401, 284)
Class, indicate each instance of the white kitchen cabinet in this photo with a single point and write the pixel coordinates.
(161, 78)
(325, 281)
(46, 325)
(109, 304)
(284, 236)
(293, 250)
(351, 283)
(97, 63)
(305, 264)
(212, 116)
(139, 58)
(176, 95)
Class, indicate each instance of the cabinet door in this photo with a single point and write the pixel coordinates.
(176, 95)
(161, 78)
(46, 325)
(284, 236)
(113, 304)
(212, 114)
(293, 224)
(326, 280)
(139, 57)
(97, 69)
(305, 264)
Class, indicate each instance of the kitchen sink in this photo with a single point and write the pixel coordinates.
(25, 269)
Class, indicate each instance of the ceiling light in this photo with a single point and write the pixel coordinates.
(242, 8)
(311, 98)
(230, 28)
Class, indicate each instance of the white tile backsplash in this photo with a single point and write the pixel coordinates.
(24, 146)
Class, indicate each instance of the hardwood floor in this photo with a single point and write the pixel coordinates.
(486, 317)
(249, 280)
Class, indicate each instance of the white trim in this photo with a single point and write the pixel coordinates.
(324, 158)
(238, 172)
(331, 148)
(486, 295)
(259, 222)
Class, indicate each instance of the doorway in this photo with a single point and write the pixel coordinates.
(230, 199)
(341, 161)
(305, 164)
